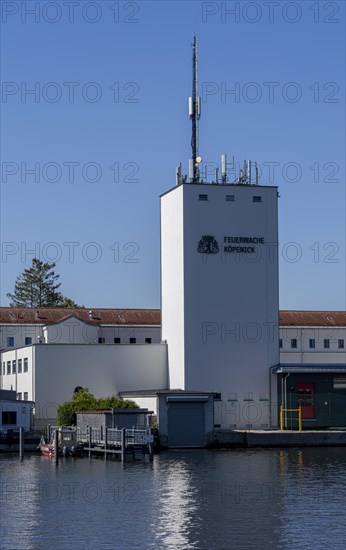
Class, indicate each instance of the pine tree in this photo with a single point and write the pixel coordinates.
(38, 286)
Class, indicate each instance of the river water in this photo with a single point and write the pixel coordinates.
(200, 499)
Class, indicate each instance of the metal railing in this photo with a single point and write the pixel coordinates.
(133, 436)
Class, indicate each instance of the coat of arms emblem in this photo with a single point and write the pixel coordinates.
(208, 245)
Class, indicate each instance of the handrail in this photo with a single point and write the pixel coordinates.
(282, 410)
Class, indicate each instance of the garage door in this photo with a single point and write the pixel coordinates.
(185, 424)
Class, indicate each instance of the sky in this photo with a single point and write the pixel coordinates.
(94, 121)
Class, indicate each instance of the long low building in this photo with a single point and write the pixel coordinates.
(47, 353)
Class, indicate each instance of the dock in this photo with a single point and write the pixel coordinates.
(128, 444)
(277, 438)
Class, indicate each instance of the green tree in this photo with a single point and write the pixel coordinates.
(68, 303)
(38, 286)
(83, 400)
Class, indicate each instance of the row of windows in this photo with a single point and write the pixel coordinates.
(102, 340)
(25, 396)
(312, 343)
(11, 367)
(10, 341)
(204, 197)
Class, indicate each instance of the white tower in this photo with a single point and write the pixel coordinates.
(219, 294)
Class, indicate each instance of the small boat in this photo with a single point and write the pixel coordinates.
(67, 443)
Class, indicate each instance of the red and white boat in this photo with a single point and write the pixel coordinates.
(67, 443)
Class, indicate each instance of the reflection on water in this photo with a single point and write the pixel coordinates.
(241, 499)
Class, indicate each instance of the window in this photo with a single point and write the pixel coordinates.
(102, 340)
(339, 383)
(28, 340)
(20, 361)
(202, 197)
(230, 198)
(341, 343)
(25, 396)
(248, 396)
(117, 340)
(14, 366)
(4, 368)
(19, 396)
(8, 367)
(148, 340)
(326, 343)
(312, 343)
(232, 397)
(133, 340)
(280, 343)
(9, 418)
(10, 342)
(26, 366)
(293, 343)
(256, 199)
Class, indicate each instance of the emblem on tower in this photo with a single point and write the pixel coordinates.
(208, 245)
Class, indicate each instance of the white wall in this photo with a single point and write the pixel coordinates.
(126, 332)
(23, 410)
(19, 332)
(104, 369)
(172, 284)
(71, 331)
(303, 354)
(19, 382)
(228, 302)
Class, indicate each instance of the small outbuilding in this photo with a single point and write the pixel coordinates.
(14, 413)
(139, 419)
(185, 418)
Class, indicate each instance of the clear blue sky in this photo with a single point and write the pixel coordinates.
(112, 81)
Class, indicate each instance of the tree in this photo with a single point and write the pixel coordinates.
(68, 303)
(83, 400)
(38, 286)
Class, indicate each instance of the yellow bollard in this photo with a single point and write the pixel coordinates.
(300, 418)
(281, 419)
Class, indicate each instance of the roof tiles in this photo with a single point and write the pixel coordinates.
(104, 316)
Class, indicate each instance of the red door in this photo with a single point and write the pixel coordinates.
(305, 397)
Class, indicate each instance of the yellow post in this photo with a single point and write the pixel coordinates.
(300, 418)
(281, 419)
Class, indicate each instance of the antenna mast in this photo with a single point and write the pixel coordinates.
(194, 113)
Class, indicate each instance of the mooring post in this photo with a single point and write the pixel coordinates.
(123, 444)
(106, 430)
(21, 443)
(90, 439)
(151, 443)
(56, 449)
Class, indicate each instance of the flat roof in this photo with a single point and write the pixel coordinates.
(223, 185)
(310, 368)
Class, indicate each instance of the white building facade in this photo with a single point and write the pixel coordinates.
(73, 353)
(219, 295)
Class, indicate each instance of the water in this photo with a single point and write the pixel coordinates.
(241, 499)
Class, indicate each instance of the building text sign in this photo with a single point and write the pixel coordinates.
(241, 244)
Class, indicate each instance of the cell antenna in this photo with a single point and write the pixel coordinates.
(195, 114)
